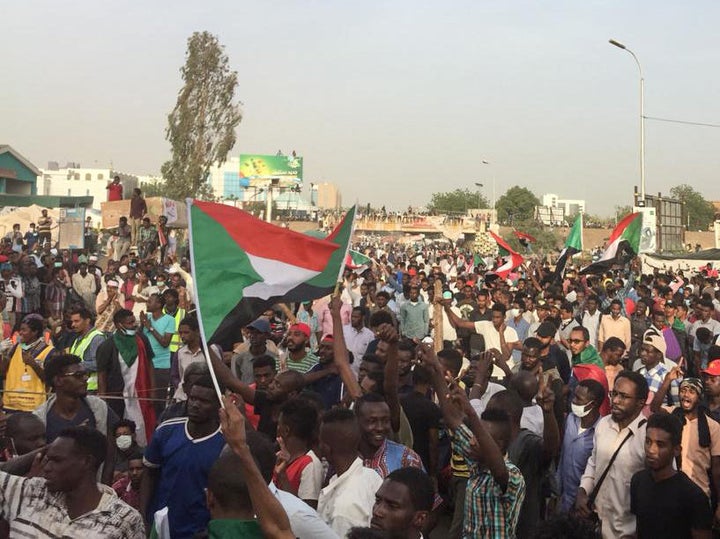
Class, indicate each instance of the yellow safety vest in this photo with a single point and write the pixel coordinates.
(25, 391)
(79, 347)
(176, 342)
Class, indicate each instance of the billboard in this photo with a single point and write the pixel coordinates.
(71, 228)
(648, 237)
(258, 169)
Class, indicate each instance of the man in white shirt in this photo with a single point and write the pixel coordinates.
(304, 520)
(612, 503)
(357, 336)
(591, 319)
(348, 499)
(495, 333)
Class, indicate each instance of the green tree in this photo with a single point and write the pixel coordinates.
(516, 205)
(201, 127)
(457, 201)
(156, 189)
(698, 211)
(546, 241)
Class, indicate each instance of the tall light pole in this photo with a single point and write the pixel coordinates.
(642, 117)
(480, 186)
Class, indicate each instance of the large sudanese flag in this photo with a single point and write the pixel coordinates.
(573, 246)
(623, 244)
(243, 265)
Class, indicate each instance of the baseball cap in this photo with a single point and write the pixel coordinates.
(261, 324)
(93, 258)
(546, 329)
(656, 340)
(713, 368)
(302, 328)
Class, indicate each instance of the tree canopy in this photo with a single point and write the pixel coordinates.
(516, 205)
(699, 212)
(547, 242)
(457, 201)
(201, 127)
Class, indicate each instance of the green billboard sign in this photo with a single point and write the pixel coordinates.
(257, 167)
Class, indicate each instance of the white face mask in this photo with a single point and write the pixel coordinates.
(514, 313)
(130, 331)
(581, 410)
(123, 442)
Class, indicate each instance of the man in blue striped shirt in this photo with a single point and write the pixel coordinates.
(578, 439)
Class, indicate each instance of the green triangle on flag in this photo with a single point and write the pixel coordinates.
(357, 261)
(242, 265)
(623, 243)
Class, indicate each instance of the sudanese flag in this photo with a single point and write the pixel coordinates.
(243, 265)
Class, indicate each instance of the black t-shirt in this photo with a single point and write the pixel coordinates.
(526, 452)
(423, 415)
(55, 424)
(669, 508)
(264, 408)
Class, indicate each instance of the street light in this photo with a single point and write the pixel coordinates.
(642, 117)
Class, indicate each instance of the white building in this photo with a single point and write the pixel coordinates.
(326, 196)
(75, 180)
(570, 207)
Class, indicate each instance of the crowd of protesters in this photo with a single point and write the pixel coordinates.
(427, 398)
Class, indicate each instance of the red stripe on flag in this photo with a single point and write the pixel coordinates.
(524, 236)
(502, 243)
(262, 239)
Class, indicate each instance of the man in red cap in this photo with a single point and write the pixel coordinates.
(711, 377)
(299, 358)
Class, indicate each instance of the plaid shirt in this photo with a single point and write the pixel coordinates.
(489, 512)
(622, 294)
(655, 377)
(33, 511)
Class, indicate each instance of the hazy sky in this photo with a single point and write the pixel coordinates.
(390, 100)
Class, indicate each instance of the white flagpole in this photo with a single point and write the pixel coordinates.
(203, 340)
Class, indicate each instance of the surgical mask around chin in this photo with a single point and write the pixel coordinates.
(161, 284)
(123, 442)
(25, 345)
(581, 410)
(129, 331)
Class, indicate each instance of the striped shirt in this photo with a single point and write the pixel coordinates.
(490, 512)
(33, 511)
(302, 366)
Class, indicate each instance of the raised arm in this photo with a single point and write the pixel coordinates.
(660, 394)
(391, 385)
(340, 352)
(454, 319)
(229, 380)
(271, 516)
